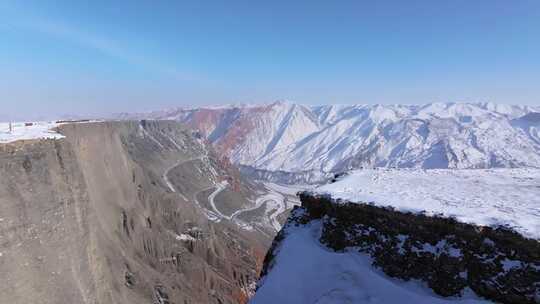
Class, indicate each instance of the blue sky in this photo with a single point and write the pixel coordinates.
(96, 57)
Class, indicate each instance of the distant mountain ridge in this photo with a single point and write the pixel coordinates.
(332, 138)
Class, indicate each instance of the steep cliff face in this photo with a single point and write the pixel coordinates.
(111, 214)
(360, 253)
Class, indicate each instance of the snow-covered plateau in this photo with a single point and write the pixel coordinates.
(487, 197)
(24, 131)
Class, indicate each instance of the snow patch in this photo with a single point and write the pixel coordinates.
(509, 264)
(25, 131)
(185, 238)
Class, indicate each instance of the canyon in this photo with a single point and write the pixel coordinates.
(125, 212)
(193, 205)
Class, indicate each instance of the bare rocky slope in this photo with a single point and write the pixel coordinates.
(110, 214)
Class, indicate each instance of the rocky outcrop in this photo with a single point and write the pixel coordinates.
(92, 218)
(449, 256)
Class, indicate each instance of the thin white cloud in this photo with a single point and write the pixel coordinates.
(21, 19)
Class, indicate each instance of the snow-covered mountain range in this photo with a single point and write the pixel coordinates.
(333, 138)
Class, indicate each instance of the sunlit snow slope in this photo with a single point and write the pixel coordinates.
(305, 271)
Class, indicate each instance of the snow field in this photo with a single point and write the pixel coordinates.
(486, 197)
(38, 130)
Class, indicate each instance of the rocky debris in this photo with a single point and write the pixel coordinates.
(129, 277)
(160, 296)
